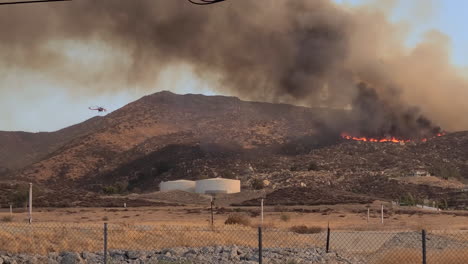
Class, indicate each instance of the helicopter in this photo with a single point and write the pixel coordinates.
(98, 108)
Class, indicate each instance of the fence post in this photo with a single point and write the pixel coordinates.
(424, 246)
(381, 214)
(30, 203)
(212, 215)
(260, 244)
(105, 243)
(328, 239)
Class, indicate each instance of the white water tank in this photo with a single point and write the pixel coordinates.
(181, 185)
(217, 185)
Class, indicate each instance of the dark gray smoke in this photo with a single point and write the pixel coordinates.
(300, 52)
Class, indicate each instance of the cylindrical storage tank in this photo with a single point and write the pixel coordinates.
(181, 185)
(217, 185)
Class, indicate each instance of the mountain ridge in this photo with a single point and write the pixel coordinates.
(165, 136)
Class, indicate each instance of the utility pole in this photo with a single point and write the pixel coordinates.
(261, 206)
(30, 203)
(382, 213)
(368, 213)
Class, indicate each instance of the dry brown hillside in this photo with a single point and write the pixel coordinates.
(166, 136)
(164, 118)
(19, 149)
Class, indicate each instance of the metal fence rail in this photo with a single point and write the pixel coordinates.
(111, 243)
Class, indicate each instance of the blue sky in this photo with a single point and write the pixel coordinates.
(447, 16)
(35, 103)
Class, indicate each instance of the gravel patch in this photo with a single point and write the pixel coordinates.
(205, 255)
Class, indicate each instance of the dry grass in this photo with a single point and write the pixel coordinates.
(7, 219)
(44, 238)
(200, 216)
(41, 239)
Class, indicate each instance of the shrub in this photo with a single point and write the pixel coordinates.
(443, 204)
(117, 188)
(313, 166)
(445, 171)
(254, 213)
(7, 219)
(20, 194)
(164, 166)
(408, 200)
(237, 219)
(229, 175)
(105, 218)
(110, 190)
(285, 217)
(257, 184)
(294, 168)
(302, 229)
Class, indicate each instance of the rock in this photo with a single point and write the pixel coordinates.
(234, 253)
(134, 254)
(8, 260)
(70, 258)
(218, 249)
(89, 257)
(166, 258)
(168, 252)
(191, 253)
(205, 255)
(114, 253)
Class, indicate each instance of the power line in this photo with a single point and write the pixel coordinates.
(205, 2)
(30, 2)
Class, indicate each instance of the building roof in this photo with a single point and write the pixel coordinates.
(219, 179)
(180, 181)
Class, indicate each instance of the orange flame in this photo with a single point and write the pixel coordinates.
(382, 140)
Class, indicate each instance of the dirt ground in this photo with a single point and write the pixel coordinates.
(347, 217)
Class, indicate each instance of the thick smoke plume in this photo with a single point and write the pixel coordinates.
(301, 52)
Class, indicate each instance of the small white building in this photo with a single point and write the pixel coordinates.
(181, 185)
(421, 173)
(217, 185)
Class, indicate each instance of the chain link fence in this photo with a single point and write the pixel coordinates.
(115, 243)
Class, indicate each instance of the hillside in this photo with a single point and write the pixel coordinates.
(167, 136)
(19, 149)
(164, 119)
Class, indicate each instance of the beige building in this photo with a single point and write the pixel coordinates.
(217, 185)
(181, 185)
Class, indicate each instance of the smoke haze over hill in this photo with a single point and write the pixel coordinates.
(311, 53)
